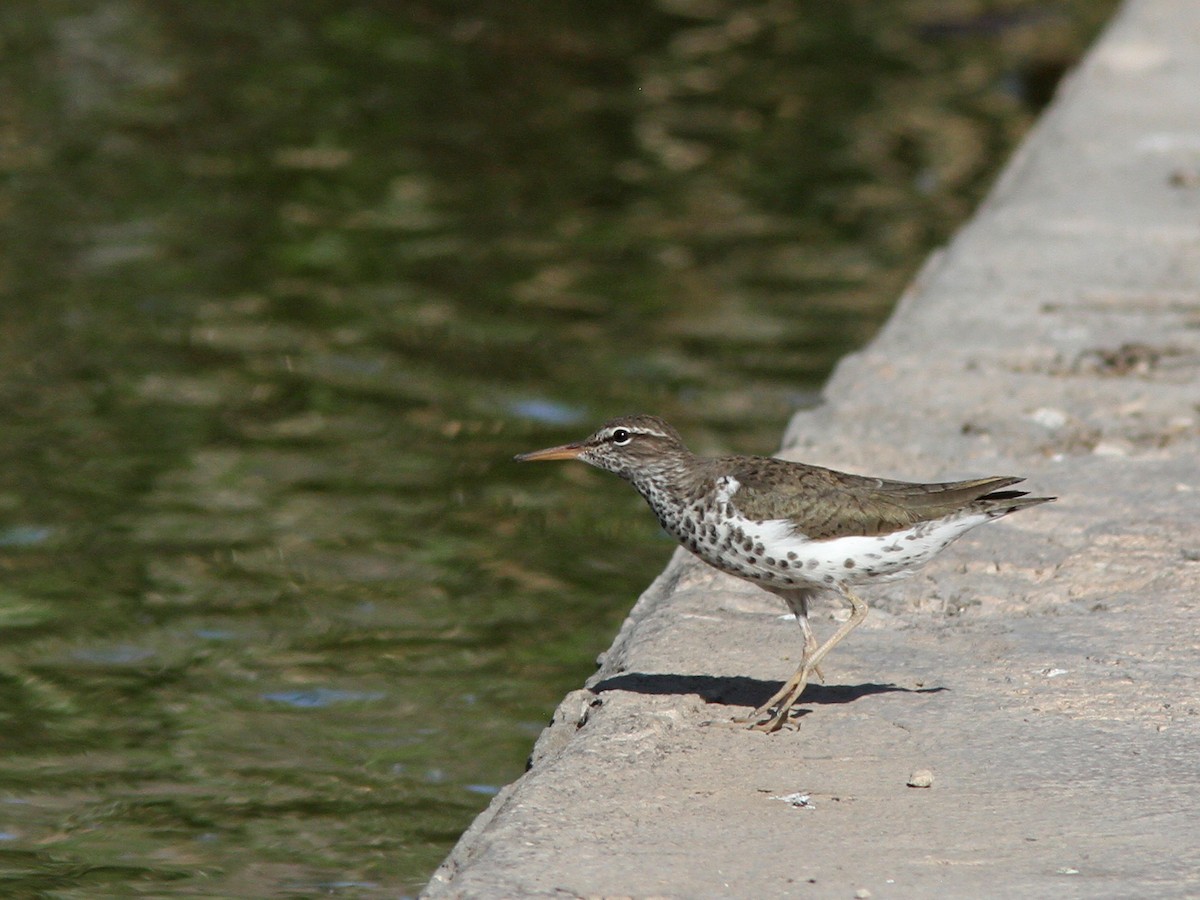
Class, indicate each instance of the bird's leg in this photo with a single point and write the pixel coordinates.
(810, 643)
(782, 702)
(797, 601)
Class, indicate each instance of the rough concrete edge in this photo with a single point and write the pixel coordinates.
(570, 715)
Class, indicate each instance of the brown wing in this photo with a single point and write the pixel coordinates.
(823, 503)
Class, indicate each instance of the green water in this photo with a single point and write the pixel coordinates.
(283, 287)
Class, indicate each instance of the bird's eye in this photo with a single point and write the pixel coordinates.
(621, 437)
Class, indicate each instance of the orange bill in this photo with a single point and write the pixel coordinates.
(565, 451)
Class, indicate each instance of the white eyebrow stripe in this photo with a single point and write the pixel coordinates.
(608, 433)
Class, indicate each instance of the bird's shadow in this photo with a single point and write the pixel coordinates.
(739, 690)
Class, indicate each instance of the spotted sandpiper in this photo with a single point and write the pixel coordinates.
(791, 528)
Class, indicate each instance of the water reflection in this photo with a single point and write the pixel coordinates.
(283, 292)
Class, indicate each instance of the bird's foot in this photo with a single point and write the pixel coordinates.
(776, 712)
(773, 715)
(768, 721)
(773, 721)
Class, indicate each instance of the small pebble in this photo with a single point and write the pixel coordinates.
(798, 800)
(921, 778)
(862, 894)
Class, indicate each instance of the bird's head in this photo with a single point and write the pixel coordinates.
(637, 448)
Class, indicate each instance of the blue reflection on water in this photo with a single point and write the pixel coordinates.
(488, 790)
(320, 697)
(214, 634)
(25, 535)
(548, 412)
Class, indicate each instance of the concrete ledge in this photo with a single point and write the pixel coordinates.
(1046, 669)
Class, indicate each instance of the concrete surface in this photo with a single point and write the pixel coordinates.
(1045, 669)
